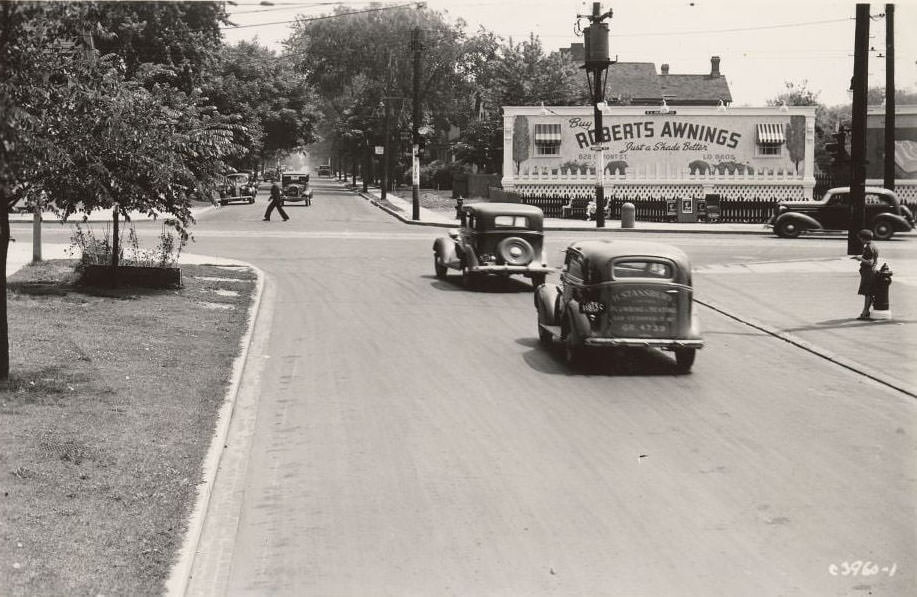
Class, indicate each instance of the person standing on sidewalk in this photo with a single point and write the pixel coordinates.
(276, 201)
(868, 260)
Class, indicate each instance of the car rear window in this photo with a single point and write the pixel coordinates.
(511, 222)
(295, 179)
(641, 268)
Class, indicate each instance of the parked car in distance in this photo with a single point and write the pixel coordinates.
(885, 214)
(296, 187)
(324, 170)
(498, 239)
(620, 294)
(237, 186)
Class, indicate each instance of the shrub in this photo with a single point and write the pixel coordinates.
(97, 250)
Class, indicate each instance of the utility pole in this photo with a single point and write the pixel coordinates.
(889, 177)
(596, 66)
(858, 131)
(385, 151)
(416, 47)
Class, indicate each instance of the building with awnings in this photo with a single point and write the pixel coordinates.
(653, 151)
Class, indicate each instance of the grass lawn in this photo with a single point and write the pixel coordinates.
(105, 422)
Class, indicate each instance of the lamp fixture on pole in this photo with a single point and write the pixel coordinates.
(597, 61)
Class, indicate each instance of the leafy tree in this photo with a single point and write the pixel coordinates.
(481, 144)
(184, 36)
(74, 133)
(876, 96)
(355, 60)
(518, 75)
(264, 93)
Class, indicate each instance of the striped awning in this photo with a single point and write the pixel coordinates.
(547, 134)
(771, 134)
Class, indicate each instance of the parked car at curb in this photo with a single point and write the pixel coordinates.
(620, 294)
(885, 214)
(296, 187)
(495, 239)
(324, 170)
(237, 186)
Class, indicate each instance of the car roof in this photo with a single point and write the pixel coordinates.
(295, 173)
(877, 190)
(603, 250)
(504, 209)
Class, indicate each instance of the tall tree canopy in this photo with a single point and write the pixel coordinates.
(266, 94)
(354, 60)
(184, 36)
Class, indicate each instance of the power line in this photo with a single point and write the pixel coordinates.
(334, 16)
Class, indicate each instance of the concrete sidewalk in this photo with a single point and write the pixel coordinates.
(101, 216)
(811, 305)
(402, 208)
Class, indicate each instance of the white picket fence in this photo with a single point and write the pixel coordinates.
(655, 173)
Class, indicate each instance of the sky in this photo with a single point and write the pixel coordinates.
(761, 44)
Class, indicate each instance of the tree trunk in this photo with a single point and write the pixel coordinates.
(4, 252)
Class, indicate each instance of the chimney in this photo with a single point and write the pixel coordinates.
(665, 69)
(714, 66)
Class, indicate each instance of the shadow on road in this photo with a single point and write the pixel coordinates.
(609, 362)
(494, 285)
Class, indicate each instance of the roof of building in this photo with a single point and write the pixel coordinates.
(690, 89)
(639, 83)
(633, 81)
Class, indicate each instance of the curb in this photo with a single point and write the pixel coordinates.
(798, 342)
(177, 583)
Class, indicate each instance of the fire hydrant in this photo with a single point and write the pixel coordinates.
(880, 306)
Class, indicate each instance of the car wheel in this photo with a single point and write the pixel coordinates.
(684, 359)
(537, 279)
(251, 200)
(883, 230)
(439, 267)
(788, 229)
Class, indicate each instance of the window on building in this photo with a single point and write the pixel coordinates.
(770, 139)
(547, 139)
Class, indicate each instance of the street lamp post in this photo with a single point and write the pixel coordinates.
(596, 65)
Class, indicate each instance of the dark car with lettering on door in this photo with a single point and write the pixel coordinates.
(620, 294)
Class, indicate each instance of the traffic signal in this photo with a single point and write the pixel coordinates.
(838, 149)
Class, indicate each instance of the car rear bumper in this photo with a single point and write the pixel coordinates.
(663, 343)
(512, 269)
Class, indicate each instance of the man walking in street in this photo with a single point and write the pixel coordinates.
(276, 201)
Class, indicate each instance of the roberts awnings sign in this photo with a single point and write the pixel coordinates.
(771, 134)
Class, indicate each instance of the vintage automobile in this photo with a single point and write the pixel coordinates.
(237, 186)
(324, 170)
(296, 187)
(885, 214)
(500, 239)
(619, 293)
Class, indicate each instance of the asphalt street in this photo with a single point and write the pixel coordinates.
(395, 434)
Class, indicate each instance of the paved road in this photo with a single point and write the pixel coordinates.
(397, 435)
